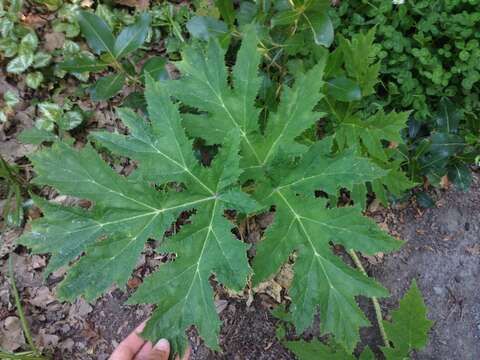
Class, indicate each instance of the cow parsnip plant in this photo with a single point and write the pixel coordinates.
(280, 172)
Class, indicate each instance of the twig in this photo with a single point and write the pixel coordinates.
(376, 304)
(21, 314)
(28, 355)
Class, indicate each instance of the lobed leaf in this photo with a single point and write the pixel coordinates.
(409, 327)
(126, 211)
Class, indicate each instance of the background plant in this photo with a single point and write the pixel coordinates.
(112, 52)
(428, 51)
(407, 331)
(19, 43)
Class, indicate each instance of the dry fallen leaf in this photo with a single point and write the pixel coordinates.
(54, 41)
(44, 340)
(473, 250)
(271, 288)
(444, 182)
(42, 298)
(11, 333)
(138, 4)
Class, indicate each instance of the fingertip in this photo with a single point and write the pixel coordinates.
(162, 345)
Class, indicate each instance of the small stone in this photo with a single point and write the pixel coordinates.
(438, 290)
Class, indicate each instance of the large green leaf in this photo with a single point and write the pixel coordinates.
(126, 212)
(302, 223)
(322, 280)
(97, 32)
(132, 37)
(168, 180)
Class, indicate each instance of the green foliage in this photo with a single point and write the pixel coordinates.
(20, 43)
(409, 327)
(407, 331)
(281, 171)
(353, 71)
(54, 119)
(112, 52)
(12, 211)
(429, 52)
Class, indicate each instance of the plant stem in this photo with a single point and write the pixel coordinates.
(21, 356)
(21, 314)
(376, 304)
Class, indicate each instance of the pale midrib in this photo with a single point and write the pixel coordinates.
(100, 38)
(197, 268)
(132, 38)
(156, 212)
(299, 219)
(183, 166)
(232, 119)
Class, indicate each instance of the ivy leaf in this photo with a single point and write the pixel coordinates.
(107, 87)
(51, 111)
(11, 98)
(70, 120)
(41, 59)
(409, 327)
(344, 89)
(132, 37)
(20, 63)
(97, 32)
(34, 79)
(82, 63)
(29, 42)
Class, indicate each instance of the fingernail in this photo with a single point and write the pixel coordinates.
(163, 345)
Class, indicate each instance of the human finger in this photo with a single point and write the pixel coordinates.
(130, 346)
